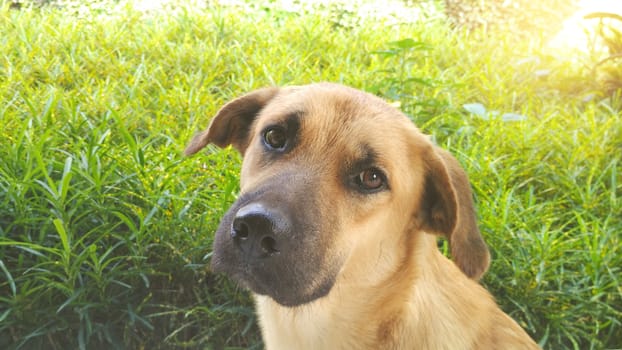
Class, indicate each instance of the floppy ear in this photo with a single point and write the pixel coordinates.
(448, 210)
(232, 123)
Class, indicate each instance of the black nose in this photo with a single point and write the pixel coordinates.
(256, 229)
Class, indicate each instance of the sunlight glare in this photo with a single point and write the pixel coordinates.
(578, 33)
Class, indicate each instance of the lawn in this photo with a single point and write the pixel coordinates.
(106, 228)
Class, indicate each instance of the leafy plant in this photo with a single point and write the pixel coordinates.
(479, 110)
(611, 36)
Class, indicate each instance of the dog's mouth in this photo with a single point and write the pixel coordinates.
(262, 244)
(285, 290)
(281, 276)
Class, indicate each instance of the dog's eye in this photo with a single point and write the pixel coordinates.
(275, 137)
(371, 179)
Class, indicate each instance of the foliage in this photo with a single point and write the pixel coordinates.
(521, 18)
(105, 229)
(609, 30)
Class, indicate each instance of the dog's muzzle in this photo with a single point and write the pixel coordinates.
(275, 241)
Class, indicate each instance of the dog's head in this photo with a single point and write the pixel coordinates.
(329, 170)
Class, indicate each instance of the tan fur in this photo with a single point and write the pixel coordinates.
(393, 288)
(435, 307)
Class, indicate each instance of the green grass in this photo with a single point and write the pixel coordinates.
(106, 229)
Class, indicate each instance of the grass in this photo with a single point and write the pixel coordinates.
(105, 229)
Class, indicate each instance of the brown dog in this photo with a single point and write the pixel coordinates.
(341, 196)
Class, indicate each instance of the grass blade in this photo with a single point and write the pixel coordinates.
(9, 278)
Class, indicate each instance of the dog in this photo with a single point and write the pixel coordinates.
(335, 228)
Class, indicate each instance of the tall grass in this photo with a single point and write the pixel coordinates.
(106, 230)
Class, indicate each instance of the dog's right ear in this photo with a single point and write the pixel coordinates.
(232, 123)
(467, 245)
(448, 210)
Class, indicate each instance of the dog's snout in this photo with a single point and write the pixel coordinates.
(257, 229)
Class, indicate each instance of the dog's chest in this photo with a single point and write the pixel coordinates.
(307, 328)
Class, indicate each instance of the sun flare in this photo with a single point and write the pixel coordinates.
(579, 32)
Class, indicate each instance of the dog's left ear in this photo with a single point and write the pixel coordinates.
(231, 125)
(448, 210)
